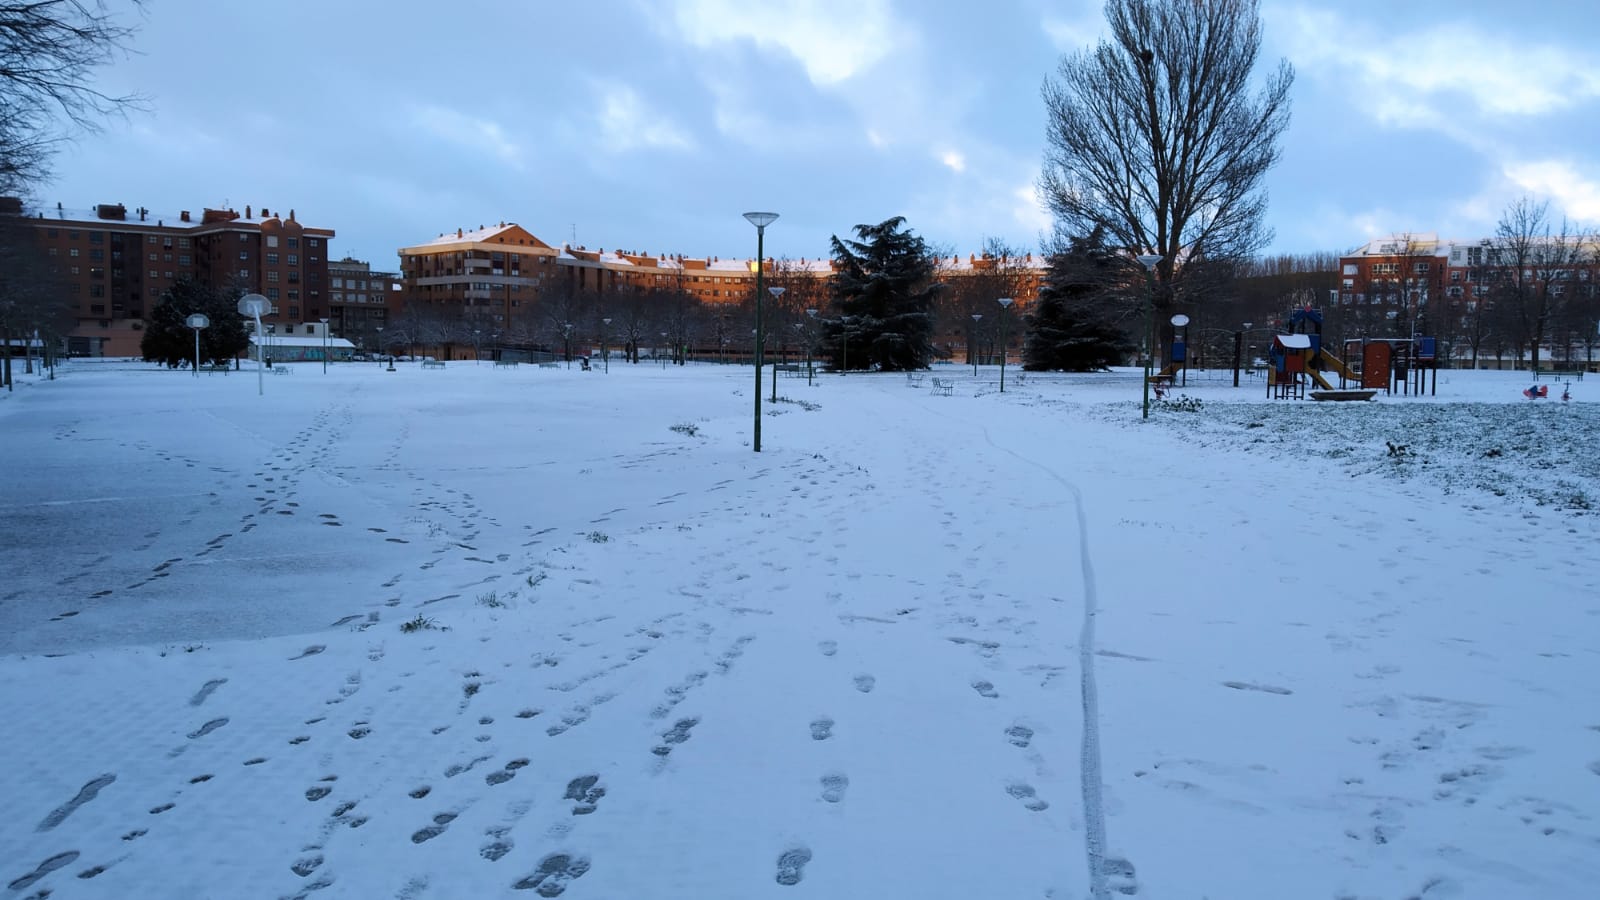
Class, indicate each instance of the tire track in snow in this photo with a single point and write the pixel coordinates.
(1094, 815)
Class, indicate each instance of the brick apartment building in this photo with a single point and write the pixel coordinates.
(361, 302)
(1418, 282)
(494, 275)
(114, 263)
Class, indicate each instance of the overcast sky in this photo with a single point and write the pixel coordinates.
(650, 125)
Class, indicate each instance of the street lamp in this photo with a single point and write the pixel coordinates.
(810, 339)
(760, 220)
(324, 345)
(777, 296)
(658, 350)
(1005, 339)
(197, 321)
(1149, 261)
(1182, 321)
(972, 344)
(566, 337)
(605, 354)
(477, 347)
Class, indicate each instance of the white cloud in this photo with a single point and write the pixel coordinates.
(482, 135)
(1078, 33)
(832, 39)
(954, 160)
(1403, 73)
(1029, 209)
(1570, 191)
(627, 123)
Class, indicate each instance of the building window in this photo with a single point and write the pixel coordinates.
(73, 252)
(272, 259)
(338, 283)
(243, 237)
(272, 276)
(97, 237)
(244, 273)
(272, 293)
(294, 243)
(97, 308)
(97, 290)
(169, 273)
(153, 274)
(183, 243)
(294, 297)
(294, 258)
(294, 276)
(244, 254)
(272, 240)
(97, 253)
(294, 312)
(183, 259)
(166, 257)
(52, 251)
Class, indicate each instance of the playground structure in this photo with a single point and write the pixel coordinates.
(1298, 362)
(1298, 359)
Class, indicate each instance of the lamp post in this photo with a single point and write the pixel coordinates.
(1238, 350)
(197, 322)
(566, 338)
(1149, 261)
(324, 345)
(1005, 339)
(477, 346)
(760, 220)
(1182, 321)
(605, 354)
(972, 344)
(844, 341)
(380, 344)
(810, 339)
(777, 297)
(658, 350)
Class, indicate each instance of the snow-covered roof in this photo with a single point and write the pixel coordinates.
(1295, 341)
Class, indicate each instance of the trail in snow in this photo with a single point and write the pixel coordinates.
(1094, 815)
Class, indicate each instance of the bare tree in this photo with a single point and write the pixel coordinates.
(48, 52)
(1156, 137)
(1534, 263)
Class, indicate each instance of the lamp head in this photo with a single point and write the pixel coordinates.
(1005, 302)
(777, 292)
(1150, 260)
(761, 219)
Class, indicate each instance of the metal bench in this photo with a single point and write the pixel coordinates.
(1573, 374)
(281, 369)
(214, 368)
(433, 364)
(943, 387)
(914, 379)
(505, 364)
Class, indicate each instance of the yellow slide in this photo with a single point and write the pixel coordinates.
(1329, 363)
(1317, 377)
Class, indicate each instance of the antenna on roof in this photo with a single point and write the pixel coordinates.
(574, 232)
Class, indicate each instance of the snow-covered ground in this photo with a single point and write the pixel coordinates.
(487, 632)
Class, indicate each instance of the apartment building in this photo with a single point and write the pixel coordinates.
(113, 264)
(361, 301)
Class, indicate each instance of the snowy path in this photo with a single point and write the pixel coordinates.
(894, 654)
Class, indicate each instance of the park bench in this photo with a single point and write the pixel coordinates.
(282, 369)
(914, 379)
(214, 368)
(505, 364)
(943, 387)
(548, 365)
(1573, 374)
(433, 364)
(793, 370)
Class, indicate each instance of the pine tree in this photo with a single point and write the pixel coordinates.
(167, 339)
(1073, 325)
(883, 285)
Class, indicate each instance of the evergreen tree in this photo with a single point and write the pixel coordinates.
(883, 285)
(167, 339)
(1073, 327)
